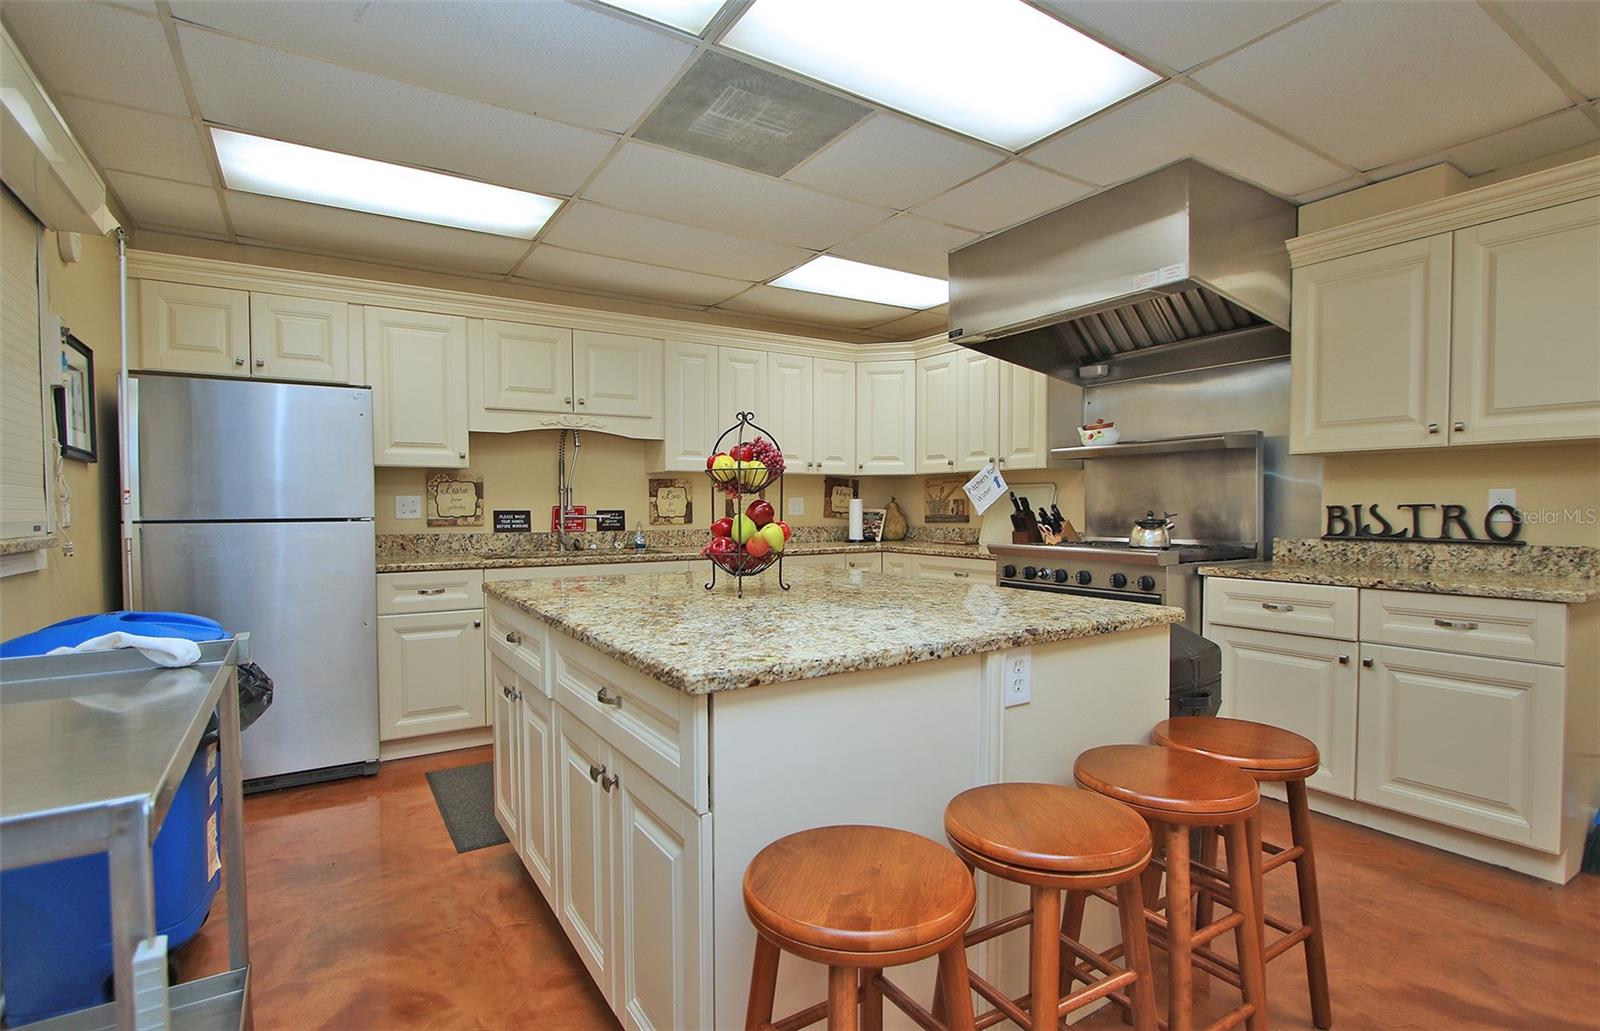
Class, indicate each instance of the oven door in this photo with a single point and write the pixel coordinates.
(1087, 592)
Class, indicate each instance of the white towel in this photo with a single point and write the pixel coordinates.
(163, 651)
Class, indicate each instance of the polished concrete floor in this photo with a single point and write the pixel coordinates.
(363, 916)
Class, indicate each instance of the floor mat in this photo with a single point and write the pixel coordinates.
(465, 796)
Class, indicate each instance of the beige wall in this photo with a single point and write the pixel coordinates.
(85, 296)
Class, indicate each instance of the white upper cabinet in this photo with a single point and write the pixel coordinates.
(526, 368)
(978, 417)
(1371, 349)
(1025, 417)
(692, 410)
(741, 384)
(418, 364)
(788, 412)
(615, 374)
(299, 338)
(938, 391)
(886, 417)
(833, 419)
(1525, 359)
(199, 329)
(524, 376)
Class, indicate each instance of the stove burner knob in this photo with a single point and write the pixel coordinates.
(1147, 583)
(1118, 581)
(1044, 573)
(1084, 576)
(1030, 572)
(1061, 576)
(1009, 572)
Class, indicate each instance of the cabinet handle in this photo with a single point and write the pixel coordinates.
(1433, 427)
(238, 361)
(604, 697)
(505, 692)
(1344, 660)
(516, 695)
(610, 781)
(595, 772)
(566, 400)
(1458, 426)
(580, 400)
(1366, 663)
(261, 363)
(477, 622)
(1272, 606)
(963, 574)
(512, 637)
(860, 466)
(430, 590)
(949, 461)
(461, 455)
(1455, 624)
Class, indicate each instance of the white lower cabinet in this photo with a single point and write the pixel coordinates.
(536, 795)
(583, 835)
(430, 674)
(504, 705)
(939, 567)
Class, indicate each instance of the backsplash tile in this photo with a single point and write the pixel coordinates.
(1527, 560)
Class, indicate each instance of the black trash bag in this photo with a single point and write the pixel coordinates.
(255, 698)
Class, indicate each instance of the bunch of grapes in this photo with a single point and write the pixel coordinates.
(767, 453)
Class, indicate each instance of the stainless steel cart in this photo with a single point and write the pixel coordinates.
(92, 749)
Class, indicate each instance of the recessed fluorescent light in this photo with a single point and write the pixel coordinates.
(691, 16)
(999, 70)
(254, 164)
(826, 274)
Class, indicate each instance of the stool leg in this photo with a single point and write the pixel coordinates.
(1243, 868)
(1209, 840)
(1136, 954)
(1180, 931)
(955, 989)
(1071, 927)
(1252, 829)
(871, 1000)
(842, 998)
(1044, 980)
(1152, 873)
(763, 986)
(1305, 871)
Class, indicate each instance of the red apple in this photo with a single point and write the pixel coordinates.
(785, 527)
(761, 512)
(742, 452)
(711, 459)
(721, 546)
(722, 527)
(757, 547)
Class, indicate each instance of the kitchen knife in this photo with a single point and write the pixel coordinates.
(1056, 518)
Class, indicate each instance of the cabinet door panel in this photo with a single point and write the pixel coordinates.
(693, 411)
(526, 368)
(833, 423)
(1469, 742)
(938, 395)
(741, 383)
(430, 674)
(198, 329)
(507, 719)
(536, 791)
(886, 417)
(298, 338)
(978, 415)
(1303, 684)
(1525, 346)
(1024, 418)
(788, 410)
(662, 856)
(583, 872)
(1371, 350)
(418, 365)
(616, 374)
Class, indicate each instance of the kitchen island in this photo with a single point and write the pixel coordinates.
(651, 736)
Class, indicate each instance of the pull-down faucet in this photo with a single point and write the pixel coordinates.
(564, 477)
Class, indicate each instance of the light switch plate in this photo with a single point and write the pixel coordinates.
(1503, 496)
(797, 506)
(408, 506)
(1017, 677)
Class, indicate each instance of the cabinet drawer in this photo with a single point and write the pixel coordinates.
(1498, 628)
(1313, 609)
(518, 640)
(599, 568)
(660, 730)
(963, 569)
(437, 590)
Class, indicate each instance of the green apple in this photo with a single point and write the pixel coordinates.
(744, 528)
(772, 533)
(722, 467)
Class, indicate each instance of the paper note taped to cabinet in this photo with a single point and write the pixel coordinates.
(985, 487)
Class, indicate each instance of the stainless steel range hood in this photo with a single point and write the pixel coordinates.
(1183, 268)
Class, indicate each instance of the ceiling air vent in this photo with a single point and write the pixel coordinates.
(742, 115)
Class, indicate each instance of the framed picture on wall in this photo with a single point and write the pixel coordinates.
(75, 429)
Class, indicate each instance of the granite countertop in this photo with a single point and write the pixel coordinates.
(22, 545)
(1476, 583)
(601, 555)
(670, 628)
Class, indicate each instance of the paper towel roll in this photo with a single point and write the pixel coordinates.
(855, 519)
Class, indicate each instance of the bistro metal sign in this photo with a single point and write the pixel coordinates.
(1501, 524)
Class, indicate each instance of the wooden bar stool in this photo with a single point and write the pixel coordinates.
(1175, 791)
(1058, 839)
(1268, 753)
(859, 899)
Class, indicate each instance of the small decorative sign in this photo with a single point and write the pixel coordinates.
(513, 520)
(454, 499)
(944, 501)
(836, 495)
(985, 487)
(611, 519)
(1501, 524)
(872, 524)
(671, 502)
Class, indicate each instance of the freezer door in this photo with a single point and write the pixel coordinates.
(305, 592)
(229, 449)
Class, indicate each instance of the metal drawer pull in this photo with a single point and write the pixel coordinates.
(477, 622)
(1458, 426)
(1455, 624)
(606, 698)
(238, 361)
(610, 780)
(1433, 427)
(1344, 660)
(512, 637)
(963, 574)
(430, 590)
(595, 772)
(1366, 663)
(1272, 606)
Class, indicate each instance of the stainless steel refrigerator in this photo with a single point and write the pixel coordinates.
(252, 504)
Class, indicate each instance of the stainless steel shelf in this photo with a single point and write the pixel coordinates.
(1239, 441)
(215, 1003)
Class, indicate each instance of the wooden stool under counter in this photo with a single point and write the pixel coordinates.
(859, 899)
(1058, 839)
(1175, 791)
(1268, 754)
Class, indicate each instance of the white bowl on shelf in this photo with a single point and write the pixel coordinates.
(1098, 436)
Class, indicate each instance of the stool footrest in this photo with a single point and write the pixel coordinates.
(1004, 1008)
(996, 928)
(1280, 856)
(805, 1018)
(906, 1004)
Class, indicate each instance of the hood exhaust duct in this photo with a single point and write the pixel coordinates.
(1183, 268)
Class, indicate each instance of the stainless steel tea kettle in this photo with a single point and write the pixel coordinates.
(1152, 531)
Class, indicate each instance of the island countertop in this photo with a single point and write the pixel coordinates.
(535, 560)
(669, 627)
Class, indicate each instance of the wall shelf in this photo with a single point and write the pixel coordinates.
(1236, 441)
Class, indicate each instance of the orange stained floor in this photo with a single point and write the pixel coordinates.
(363, 916)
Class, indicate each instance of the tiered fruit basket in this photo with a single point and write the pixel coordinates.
(745, 462)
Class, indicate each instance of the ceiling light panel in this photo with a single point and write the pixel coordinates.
(826, 274)
(255, 164)
(692, 16)
(999, 70)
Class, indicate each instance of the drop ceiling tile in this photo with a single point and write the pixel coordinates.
(1172, 122)
(163, 202)
(273, 93)
(126, 140)
(559, 267)
(1429, 75)
(1181, 34)
(554, 58)
(1003, 197)
(107, 53)
(907, 243)
(916, 326)
(622, 234)
(664, 183)
(818, 309)
(287, 223)
(1535, 139)
(1568, 33)
(893, 162)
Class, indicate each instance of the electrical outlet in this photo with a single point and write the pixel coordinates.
(408, 506)
(1502, 496)
(1018, 674)
(797, 506)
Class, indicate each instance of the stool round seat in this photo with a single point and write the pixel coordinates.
(835, 894)
(1047, 828)
(1263, 751)
(1167, 784)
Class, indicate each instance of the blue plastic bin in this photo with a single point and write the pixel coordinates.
(55, 918)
